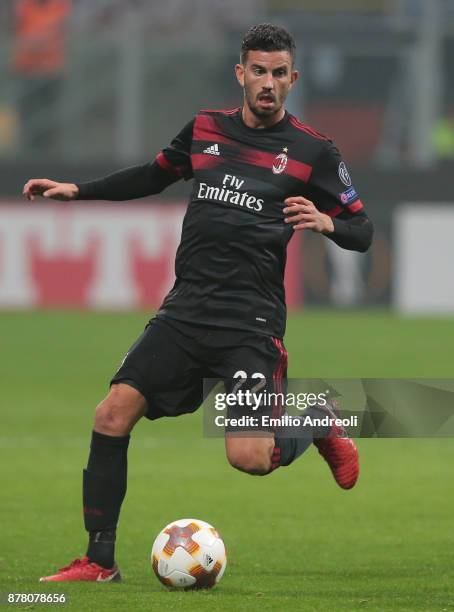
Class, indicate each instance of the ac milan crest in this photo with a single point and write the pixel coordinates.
(280, 162)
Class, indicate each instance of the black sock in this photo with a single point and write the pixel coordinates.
(287, 448)
(104, 488)
(101, 547)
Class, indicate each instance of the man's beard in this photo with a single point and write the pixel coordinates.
(260, 113)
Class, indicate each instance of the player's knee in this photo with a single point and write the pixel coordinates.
(116, 415)
(109, 418)
(252, 461)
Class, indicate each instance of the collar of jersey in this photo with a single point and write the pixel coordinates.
(277, 127)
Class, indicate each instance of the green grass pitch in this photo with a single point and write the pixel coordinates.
(295, 540)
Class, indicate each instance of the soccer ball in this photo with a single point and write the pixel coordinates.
(189, 554)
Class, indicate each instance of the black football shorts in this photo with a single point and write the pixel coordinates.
(170, 360)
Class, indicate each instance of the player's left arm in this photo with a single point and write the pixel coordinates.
(335, 208)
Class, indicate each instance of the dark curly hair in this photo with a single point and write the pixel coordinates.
(267, 37)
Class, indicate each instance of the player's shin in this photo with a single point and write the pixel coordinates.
(104, 488)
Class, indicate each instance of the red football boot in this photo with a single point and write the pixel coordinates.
(83, 569)
(340, 453)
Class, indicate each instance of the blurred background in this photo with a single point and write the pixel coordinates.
(89, 86)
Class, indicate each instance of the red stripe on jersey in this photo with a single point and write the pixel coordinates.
(206, 128)
(223, 111)
(278, 410)
(166, 165)
(306, 128)
(162, 161)
(279, 374)
(335, 211)
(294, 168)
(299, 170)
(355, 206)
(202, 161)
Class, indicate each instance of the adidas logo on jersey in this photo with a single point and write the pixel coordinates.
(213, 150)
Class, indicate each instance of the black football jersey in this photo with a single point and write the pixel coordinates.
(231, 260)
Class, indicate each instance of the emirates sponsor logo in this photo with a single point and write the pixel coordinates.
(230, 193)
(221, 194)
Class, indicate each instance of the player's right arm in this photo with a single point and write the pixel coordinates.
(170, 165)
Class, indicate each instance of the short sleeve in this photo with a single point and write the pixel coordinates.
(332, 187)
(176, 158)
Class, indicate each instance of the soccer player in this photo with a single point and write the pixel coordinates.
(259, 175)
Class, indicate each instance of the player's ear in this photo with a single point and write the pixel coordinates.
(294, 77)
(239, 71)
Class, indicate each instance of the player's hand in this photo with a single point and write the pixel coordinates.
(304, 215)
(50, 189)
